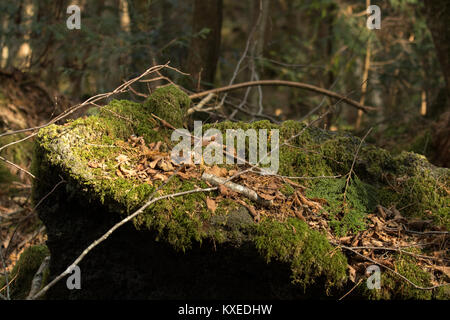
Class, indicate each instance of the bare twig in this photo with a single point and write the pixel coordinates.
(360, 280)
(251, 194)
(201, 104)
(300, 85)
(110, 231)
(30, 214)
(36, 283)
(392, 270)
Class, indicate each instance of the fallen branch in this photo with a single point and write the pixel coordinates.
(36, 283)
(251, 194)
(201, 104)
(285, 83)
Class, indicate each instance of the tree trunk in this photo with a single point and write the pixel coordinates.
(204, 50)
(437, 13)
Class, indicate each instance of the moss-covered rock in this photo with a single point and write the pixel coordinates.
(24, 270)
(178, 248)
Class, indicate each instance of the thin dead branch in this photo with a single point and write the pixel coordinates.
(251, 194)
(300, 85)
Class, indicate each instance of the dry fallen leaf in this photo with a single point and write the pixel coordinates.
(217, 171)
(93, 164)
(352, 273)
(211, 204)
(267, 196)
(126, 171)
(160, 176)
(165, 165)
(224, 190)
(121, 158)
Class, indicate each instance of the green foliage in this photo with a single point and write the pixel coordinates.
(178, 220)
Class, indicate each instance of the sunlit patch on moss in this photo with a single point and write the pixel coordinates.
(308, 252)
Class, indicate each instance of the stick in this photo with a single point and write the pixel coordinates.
(108, 233)
(251, 194)
(38, 277)
(285, 83)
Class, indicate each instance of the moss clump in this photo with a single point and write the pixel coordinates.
(395, 288)
(308, 252)
(24, 270)
(348, 216)
(169, 103)
(406, 181)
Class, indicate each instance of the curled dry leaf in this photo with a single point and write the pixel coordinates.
(224, 190)
(160, 176)
(211, 204)
(217, 171)
(165, 165)
(267, 196)
(351, 273)
(127, 171)
(121, 158)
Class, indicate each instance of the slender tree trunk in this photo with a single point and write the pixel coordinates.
(365, 80)
(204, 50)
(437, 13)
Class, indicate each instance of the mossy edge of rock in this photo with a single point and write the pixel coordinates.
(124, 118)
(24, 270)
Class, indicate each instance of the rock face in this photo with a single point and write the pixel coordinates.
(178, 248)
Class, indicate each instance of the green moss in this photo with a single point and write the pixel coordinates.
(378, 178)
(393, 287)
(309, 252)
(419, 187)
(24, 270)
(178, 220)
(360, 199)
(170, 104)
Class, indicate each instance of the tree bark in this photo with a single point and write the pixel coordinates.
(437, 13)
(204, 50)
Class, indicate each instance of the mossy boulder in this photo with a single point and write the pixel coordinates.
(177, 248)
(24, 270)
